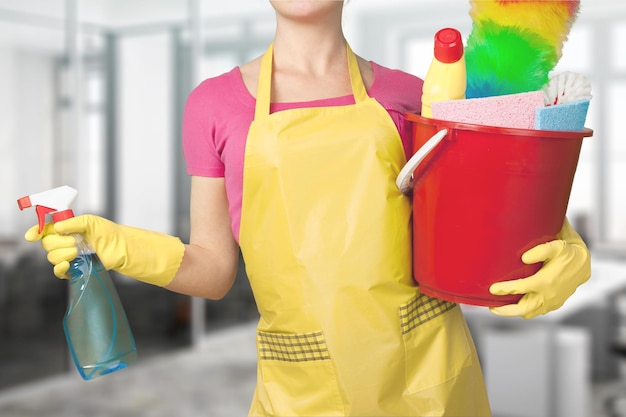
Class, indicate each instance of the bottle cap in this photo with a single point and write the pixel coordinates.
(448, 45)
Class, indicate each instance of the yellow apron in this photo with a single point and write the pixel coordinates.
(326, 238)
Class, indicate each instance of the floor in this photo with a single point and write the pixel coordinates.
(215, 379)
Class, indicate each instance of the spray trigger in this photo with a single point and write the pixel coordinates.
(41, 216)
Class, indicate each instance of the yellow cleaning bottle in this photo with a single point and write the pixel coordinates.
(446, 78)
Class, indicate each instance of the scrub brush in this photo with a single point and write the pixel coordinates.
(566, 97)
(566, 87)
(515, 44)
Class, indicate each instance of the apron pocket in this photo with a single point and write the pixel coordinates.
(435, 342)
(298, 375)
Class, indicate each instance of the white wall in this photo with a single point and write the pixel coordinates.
(146, 149)
(26, 126)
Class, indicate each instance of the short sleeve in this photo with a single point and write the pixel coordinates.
(198, 134)
(400, 93)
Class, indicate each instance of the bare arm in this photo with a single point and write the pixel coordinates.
(210, 262)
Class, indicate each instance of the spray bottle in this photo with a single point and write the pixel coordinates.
(95, 324)
(446, 78)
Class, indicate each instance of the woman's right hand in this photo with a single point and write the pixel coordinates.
(61, 249)
(145, 255)
(206, 267)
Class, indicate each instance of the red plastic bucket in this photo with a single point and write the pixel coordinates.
(482, 196)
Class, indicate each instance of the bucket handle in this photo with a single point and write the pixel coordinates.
(405, 177)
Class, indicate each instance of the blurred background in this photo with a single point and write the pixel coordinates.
(92, 94)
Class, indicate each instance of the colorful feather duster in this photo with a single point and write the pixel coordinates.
(514, 44)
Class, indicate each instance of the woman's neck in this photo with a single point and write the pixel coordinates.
(310, 58)
(310, 49)
(309, 64)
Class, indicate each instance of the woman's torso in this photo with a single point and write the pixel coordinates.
(219, 111)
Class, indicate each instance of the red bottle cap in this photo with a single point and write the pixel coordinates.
(448, 45)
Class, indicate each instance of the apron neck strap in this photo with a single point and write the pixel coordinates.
(264, 88)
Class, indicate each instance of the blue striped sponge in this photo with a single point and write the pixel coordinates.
(567, 117)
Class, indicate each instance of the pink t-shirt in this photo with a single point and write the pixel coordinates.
(220, 110)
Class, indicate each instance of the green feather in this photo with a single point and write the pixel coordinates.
(506, 60)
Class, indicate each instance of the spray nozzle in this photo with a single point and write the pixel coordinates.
(56, 202)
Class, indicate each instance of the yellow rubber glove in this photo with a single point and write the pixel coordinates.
(566, 265)
(147, 256)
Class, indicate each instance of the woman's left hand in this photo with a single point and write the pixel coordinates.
(567, 264)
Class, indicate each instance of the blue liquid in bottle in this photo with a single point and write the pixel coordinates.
(96, 328)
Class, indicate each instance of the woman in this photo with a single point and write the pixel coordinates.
(293, 158)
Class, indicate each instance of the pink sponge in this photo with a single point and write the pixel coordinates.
(511, 110)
